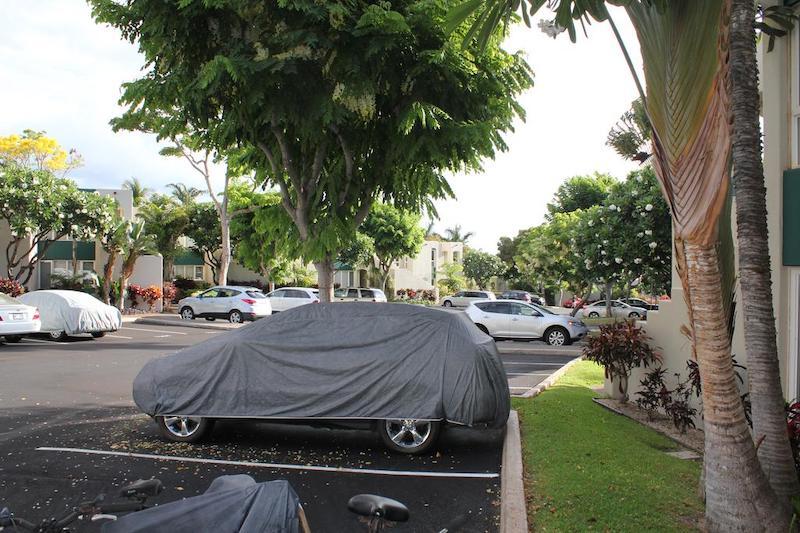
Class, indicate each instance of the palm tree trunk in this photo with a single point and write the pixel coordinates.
(108, 272)
(738, 495)
(769, 419)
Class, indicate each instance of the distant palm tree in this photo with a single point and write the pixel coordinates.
(454, 234)
(139, 191)
(183, 194)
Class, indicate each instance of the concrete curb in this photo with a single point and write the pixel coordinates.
(513, 510)
(551, 379)
(182, 324)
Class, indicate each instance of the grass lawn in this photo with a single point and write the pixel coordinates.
(588, 468)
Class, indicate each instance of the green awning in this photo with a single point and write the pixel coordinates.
(339, 266)
(62, 250)
(188, 258)
(791, 217)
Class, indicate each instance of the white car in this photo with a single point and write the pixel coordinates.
(65, 313)
(235, 303)
(464, 298)
(618, 310)
(513, 319)
(17, 319)
(287, 298)
(355, 294)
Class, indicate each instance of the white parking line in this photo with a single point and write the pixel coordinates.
(156, 331)
(532, 363)
(160, 336)
(119, 337)
(528, 373)
(45, 341)
(281, 466)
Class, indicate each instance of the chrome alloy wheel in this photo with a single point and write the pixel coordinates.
(408, 433)
(182, 426)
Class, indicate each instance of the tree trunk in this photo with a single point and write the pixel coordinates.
(608, 298)
(738, 495)
(123, 289)
(108, 272)
(769, 418)
(325, 278)
(74, 258)
(167, 274)
(225, 251)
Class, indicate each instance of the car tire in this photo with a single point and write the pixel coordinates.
(98, 334)
(211, 318)
(635, 315)
(409, 436)
(557, 336)
(447, 303)
(13, 338)
(184, 428)
(594, 314)
(235, 317)
(58, 336)
(187, 313)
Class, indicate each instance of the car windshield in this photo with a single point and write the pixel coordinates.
(379, 293)
(542, 309)
(340, 293)
(8, 300)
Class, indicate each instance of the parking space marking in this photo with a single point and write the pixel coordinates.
(156, 330)
(531, 363)
(160, 336)
(528, 373)
(276, 466)
(45, 341)
(119, 337)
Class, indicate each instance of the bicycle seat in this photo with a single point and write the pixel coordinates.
(378, 506)
(144, 487)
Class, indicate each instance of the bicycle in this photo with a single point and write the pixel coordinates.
(379, 511)
(136, 493)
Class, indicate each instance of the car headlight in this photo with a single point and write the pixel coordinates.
(575, 323)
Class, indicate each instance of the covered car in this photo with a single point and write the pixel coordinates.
(64, 313)
(231, 503)
(406, 369)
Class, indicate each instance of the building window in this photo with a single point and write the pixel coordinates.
(198, 272)
(194, 272)
(87, 266)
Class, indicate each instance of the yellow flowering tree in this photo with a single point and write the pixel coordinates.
(36, 151)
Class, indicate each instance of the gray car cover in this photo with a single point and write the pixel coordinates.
(231, 504)
(339, 361)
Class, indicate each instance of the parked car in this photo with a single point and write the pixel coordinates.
(65, 313)
(356, 294)
(17, 319)
(464, 298)
(402, 370)
(287, 298)
(618, 310)
(523, 296)
(573, 302)
(638, 302)
(235, 303)
(512, 319)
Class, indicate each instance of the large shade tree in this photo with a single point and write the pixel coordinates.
(685, 51)
(339, 104)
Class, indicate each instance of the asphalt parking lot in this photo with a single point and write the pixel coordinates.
(68, 430)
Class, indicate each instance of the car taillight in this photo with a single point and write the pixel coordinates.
(36, 315)
(249, 301)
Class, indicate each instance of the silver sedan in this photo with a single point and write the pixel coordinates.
(618, 310)
(512, 319)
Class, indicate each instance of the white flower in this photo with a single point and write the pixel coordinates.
(634, 192)
(596, 234)
(640, 234)
(638, 260)
(602, 252)
(606, 263)
(652, 245)
(648, 207)
(639, 178)
(550, 28)
(618, 260)
(648, 232)
(591, 223)
(612, 207)
(605, 241)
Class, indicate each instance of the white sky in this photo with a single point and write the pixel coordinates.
(60, 72)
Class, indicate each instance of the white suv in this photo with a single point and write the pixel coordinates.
(237, 304)
(464, 298)
(353, 294)
(287, 298)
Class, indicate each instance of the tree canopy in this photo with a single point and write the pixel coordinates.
(338, 104)
(481, 267)
(580, 192)
(395, 233)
